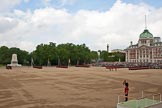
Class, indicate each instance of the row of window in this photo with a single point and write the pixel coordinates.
(147, 60)
(147, 51)
(146, 56)
(158, 44)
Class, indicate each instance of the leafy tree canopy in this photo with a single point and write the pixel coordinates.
(62, 54)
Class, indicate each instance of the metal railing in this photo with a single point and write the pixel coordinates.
(139, 101)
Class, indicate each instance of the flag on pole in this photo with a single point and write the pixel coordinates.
(32, 62)
(69, 62)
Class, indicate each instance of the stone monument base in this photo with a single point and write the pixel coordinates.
(14, 65)
(14, 61)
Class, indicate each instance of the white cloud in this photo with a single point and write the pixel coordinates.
(117, 27)
(6, 24)
(8, 4)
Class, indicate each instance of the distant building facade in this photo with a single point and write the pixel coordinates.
(147, 50)
(117, 50)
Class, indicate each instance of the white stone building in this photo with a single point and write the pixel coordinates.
(147, 50)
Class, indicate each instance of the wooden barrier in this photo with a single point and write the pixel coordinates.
(8, 67)
(86, 66)
(38, 67)
(61, 66)
(138, 68)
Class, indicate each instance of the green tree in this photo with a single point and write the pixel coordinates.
(112, 57)
(6, 55)
(45, 52)
(94, 56)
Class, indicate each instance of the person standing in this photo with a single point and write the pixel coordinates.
(124, 82)
(126, 91)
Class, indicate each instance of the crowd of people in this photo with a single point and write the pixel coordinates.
(129, 64)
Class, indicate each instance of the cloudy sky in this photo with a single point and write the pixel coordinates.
(27, 23)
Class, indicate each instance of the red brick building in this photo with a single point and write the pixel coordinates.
(147, 50)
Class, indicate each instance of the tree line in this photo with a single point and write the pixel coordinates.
(62, 54)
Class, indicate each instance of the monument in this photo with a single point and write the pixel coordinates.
(14, 61)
